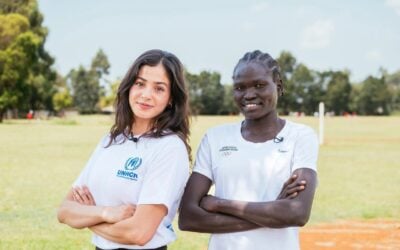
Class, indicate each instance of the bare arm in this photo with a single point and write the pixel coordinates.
(275, 214)
(136, 230)
(194, 218)
(78, 210)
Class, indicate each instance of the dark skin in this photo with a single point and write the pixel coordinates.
(256, 94)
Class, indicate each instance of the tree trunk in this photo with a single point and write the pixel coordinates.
(1, 115)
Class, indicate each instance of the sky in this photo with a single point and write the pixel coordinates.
(361, 36)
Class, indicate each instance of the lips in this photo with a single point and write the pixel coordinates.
(250, 106)
(144, 106)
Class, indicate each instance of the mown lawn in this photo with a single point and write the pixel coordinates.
(359, 172)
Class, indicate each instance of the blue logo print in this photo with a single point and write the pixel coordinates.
(131, 164)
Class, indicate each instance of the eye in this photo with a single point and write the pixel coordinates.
(259, 85)
(159, 89)
(238, 88)
(138, 83)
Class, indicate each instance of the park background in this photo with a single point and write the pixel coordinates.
(62, 61)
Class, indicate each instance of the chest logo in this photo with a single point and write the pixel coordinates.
(227, 150)
(131, 165)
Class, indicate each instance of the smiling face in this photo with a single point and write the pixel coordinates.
(149, 94)
(255, 91)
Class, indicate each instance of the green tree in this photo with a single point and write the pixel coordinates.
(110, 94)
(62, 99)
(85, 83)
(374, 97)
(393, 83)
(17, 57)
(287, 63)
(229, 106)
(206, 92)
(195, 93)
(306, 91)
(24, 61)
(338, 92)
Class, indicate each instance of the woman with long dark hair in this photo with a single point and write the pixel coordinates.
(130, 189)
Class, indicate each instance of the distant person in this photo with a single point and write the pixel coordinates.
(249, 163)
(29, 115)
(130, 189)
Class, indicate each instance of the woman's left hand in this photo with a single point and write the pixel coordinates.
(83, 196)
(291, 188)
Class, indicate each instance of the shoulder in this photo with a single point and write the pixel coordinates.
(302, 135)
(105, 140)
(300, 129)
(169, 141)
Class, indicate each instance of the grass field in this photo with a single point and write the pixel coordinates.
(359, 172)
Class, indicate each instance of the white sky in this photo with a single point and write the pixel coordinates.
(358, 35)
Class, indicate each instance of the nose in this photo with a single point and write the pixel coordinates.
(250, 93)
(146, 92)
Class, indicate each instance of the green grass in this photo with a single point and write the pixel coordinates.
(359, 172)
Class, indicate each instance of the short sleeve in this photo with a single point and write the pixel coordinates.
(203, 163)
(306, 150)
(166, 178)
(83, 176)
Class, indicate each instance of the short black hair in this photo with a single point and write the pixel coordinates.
(263, 59)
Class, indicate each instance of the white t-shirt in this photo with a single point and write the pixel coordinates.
(150, 171)
(255, 172)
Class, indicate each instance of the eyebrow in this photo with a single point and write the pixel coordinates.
(141, 78)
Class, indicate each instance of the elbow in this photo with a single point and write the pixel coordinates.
(300, 216)
(301, 220)
(62, 217)
(135, 237)
(186, 221)
(183, 225)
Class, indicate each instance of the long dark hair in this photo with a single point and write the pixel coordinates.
(175, 117)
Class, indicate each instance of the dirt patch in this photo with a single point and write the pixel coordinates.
(371, 234)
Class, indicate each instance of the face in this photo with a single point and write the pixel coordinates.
(255, 91)
(150, 93)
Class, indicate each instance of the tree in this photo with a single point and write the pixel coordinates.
(229, 106)
(110, 94)
(374, 97)
(338, 92)
(62, 99)
(16, 60)
(24, 61)
(206, 92)
(304, 88)
(393, 83)
(195, 92)
(85, 83)
(287, 63)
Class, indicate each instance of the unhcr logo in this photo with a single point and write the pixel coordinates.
(133, 163)
(130, 165)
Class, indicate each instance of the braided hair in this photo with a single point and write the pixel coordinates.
(264, 59)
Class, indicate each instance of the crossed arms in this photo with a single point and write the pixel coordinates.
(125, 224)
(204, 213)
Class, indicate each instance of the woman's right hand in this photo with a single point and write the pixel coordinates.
(118, 213)
(110, 214)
